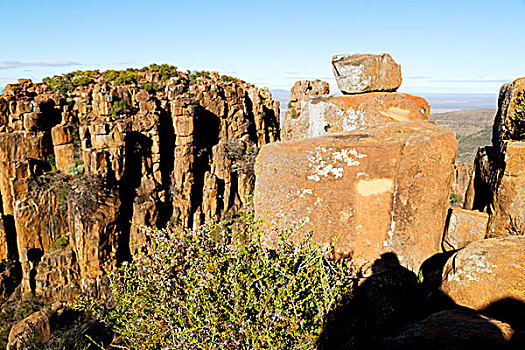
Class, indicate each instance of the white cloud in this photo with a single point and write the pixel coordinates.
(18, 64)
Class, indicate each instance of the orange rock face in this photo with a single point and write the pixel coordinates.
(509, 123)
(377, 189)
(465, 227)
(332, 114)
(508, 214)
(486, 272)
(366, 73)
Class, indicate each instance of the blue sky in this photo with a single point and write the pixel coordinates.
(443, 46)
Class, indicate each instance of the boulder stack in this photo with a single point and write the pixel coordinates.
(368, 83)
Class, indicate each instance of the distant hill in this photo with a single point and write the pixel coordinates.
(473, 129)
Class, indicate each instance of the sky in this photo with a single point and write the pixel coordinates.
(442, 46)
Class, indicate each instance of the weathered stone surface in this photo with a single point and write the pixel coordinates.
(509, 123)
(321, 115)
(180, 154)
(487, 167)
(463, 178)
(508, 194)
(464, 227)
(35, 327)
(485, 272)
(369, 188)
(366, 73)
(454, 330)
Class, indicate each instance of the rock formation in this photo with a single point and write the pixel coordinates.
(78, 165)
(485, 272)
(320, 115)
(371, 79)
(464, 227)
(358, 73)
(366, 188)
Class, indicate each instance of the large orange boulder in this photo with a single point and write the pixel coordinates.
(378, 189)
(321, 115)
(486, 272)
(366, 73)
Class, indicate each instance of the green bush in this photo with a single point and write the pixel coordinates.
(119, 108)
(207, 289)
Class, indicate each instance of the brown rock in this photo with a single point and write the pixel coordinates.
(464, 227)
(509, 123)
(368, 188)
(508, 197)
(485, 272)
(454, 330)
(64, 156)
(366, 73)
(61, 134)
(35, 327)
(463, 176)
(332, 114)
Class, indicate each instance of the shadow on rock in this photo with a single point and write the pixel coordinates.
(390, 309)
(385, 296)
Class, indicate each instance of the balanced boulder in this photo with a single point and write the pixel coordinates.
(378, 189)
(359, 73)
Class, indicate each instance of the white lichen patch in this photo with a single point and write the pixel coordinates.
(479, 264)
(325, 162)
(323, 117)
(389, 242)
(301, 193)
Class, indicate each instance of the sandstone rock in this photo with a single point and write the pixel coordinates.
(61, 134)
(464, 227)
(487, 167)
(181, 154)
(366, 73)
(332, 114)
(509, 123)
(35, 327)
(385, 297)
(463, 177)
(508, 193)
(485, 272)
(368, 188)
(454, 330)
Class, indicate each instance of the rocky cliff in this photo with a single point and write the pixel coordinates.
(86, 157)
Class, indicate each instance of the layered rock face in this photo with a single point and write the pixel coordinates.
(358, 73)
(75, 171)
(325, 114)
(499, 184)
(365, 187)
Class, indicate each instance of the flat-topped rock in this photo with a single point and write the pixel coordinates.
(319, 115)
(359, 73)
(377, 189)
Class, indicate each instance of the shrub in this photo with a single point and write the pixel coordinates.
(192, 291)
(120, 107)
